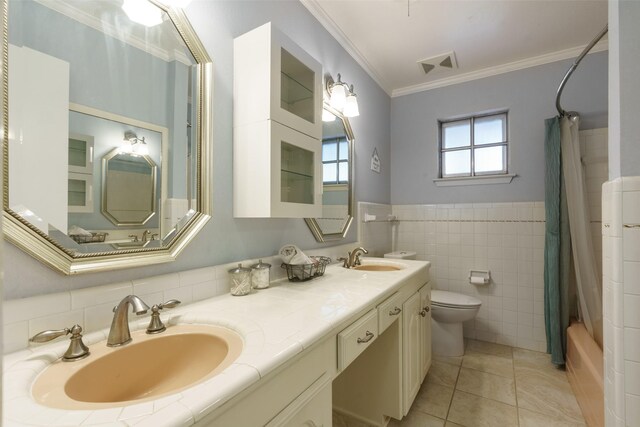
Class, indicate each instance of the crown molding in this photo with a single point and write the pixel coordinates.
(500, 69)
(313, 6)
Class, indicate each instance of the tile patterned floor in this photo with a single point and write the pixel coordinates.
(492, 385)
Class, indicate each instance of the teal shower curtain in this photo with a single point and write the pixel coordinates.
(557, 254)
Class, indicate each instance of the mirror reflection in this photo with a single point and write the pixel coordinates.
(102, 114)
(337, 178)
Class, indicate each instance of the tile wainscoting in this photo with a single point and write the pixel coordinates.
(505, 238)
(621, 300)
(92, 307)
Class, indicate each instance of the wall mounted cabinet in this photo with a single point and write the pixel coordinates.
(277, 120)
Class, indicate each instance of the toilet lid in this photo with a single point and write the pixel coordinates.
(452, 299)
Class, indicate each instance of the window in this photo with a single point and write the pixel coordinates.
(474, 146)
(335, 161)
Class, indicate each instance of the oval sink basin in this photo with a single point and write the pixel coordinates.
(149, 367)
(377, 267)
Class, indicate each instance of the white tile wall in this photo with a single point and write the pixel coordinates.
(621, 239)
(505, 238)
(92, 307)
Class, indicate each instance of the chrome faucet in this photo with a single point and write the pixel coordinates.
(353, 259)
(145, 235)
(119, 334)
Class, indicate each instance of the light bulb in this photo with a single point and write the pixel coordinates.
(351, 106)
(142, 12)
(142, 149)
(327, 116)
(338, 96)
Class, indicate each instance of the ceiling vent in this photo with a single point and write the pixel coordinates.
(444, 62)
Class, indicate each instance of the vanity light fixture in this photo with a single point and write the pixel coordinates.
(134, 145)
(342, 97)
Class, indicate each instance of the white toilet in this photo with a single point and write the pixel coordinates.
(448, 311)
(401, 255)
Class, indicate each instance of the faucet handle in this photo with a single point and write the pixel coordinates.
(345, 261)
(155, 325)
(77, 349)
(134, 237)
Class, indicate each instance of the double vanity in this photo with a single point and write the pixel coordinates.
(354, 341)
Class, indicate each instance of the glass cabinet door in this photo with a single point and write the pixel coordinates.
(79, 193)
(80, 153)
(296, 174)
(296, 87)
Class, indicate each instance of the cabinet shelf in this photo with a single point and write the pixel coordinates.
(293, 91)
(303, 175)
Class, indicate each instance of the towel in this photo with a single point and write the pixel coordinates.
(74, 230)
(291, 254)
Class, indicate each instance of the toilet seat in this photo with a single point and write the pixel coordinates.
(453, 300)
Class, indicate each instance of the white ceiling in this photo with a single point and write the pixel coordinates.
(488, 37)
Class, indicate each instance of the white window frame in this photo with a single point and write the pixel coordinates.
(473, 177)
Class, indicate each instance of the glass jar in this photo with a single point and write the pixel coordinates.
(240, 280)
(260, 275)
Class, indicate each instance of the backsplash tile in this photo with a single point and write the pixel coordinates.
(92, 308)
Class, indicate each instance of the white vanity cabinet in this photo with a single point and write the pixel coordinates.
(384, 380)
(416, 343)
(277, 122)
(296, 394)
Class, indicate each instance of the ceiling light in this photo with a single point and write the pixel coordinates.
(342, 97)
(143, 12)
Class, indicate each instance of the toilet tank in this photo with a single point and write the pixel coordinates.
(401, 255)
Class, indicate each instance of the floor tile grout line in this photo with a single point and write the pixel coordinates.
(515, 387)
(455, 387)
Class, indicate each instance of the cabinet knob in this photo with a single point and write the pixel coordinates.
(368, 337)
(424, 311)
(395, 311)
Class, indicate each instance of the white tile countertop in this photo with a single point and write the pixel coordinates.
(275, 323)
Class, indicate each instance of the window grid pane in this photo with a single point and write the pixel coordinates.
(491, 153)
(456, 134)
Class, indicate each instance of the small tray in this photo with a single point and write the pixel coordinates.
(304, 272)
(94, 238)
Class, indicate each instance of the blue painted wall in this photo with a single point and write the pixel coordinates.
(528, 94)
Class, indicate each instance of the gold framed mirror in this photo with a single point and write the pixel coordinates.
(85, 78)
(337, 177)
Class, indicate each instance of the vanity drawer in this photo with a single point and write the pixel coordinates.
(356, 338)
(388, 311)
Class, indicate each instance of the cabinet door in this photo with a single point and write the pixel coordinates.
(425, 326)
(80, 193)
(296, 81)
(296, 174)
(80, 153)
(411, 340)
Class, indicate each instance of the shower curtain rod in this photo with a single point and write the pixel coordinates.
(564, 81)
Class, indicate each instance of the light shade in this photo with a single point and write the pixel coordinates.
(351, 106)
(338, 96)
(327, 116)
(142, 12)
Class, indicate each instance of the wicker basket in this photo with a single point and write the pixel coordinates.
(303, 272)
(94, 238)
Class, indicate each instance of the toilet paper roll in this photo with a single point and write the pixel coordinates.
(478, 280)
